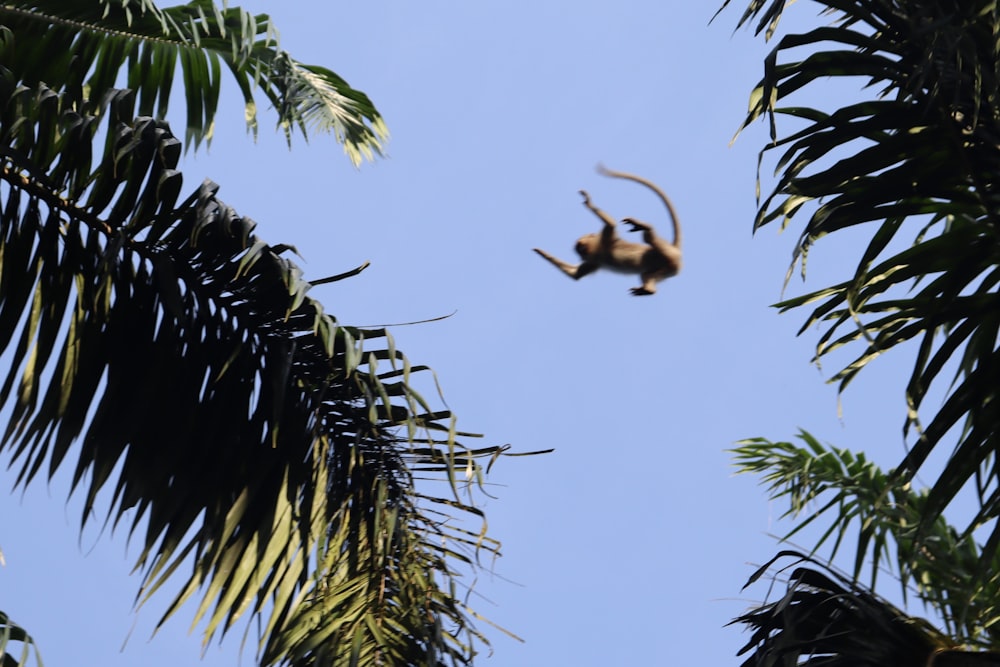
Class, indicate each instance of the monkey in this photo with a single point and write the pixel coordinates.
(655, 260)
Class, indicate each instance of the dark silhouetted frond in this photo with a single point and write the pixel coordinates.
(231, 419)
(916, 162)
(80, 49)
(257, 451)
(884, 514)
(824, 619)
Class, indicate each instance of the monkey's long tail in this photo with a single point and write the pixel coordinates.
(604, 171)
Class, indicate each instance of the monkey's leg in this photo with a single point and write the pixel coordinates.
(574, 271)
(649, 235)
(648, 285)
(607, 219)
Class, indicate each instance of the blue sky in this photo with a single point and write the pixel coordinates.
(628, 544)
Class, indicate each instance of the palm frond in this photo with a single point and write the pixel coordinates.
(174, 360)
(235, 425)
(80, 50)
(10, 655)
(920, 156)
(824, 619)
(855, 496)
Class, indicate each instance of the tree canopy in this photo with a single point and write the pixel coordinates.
(914, 165)
(174, 360)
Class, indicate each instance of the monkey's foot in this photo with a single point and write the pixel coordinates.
(636, 225)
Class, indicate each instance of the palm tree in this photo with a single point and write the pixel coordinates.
(916, 163)
(169, 355)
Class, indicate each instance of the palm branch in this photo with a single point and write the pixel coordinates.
(853, 494)
(825, 619)
(174, 360)
(79, 49)
(917, 163)
(230, 418)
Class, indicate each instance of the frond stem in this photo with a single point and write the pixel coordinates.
(12, 173)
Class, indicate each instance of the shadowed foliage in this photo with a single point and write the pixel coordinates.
(856, 498)
(915, 164)
(260, 453)
(824, 619)
(912, 166)
(80, 49)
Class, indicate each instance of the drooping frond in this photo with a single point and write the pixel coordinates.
(856, 498)
(245, 439)
(212, 409)
(916, 162)
(81, 50)
(824, 619)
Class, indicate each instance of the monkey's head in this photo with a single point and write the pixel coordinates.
(588, 245)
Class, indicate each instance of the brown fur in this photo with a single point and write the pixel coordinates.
(655, 260)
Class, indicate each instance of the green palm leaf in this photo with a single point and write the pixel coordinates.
(80, 49)
(250, 428)
(175, 361)
(917, 163)
(854, 495)
(21, 656)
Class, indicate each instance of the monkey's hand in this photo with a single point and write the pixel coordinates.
(586, 198)
(636, 225)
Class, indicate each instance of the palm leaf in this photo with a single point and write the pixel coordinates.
(80, 49)
(176, 362)
(231, 420)
(919, 156)
(944, 568)
(824, 619)
(11, 633)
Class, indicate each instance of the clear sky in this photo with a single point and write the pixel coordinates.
(629, 544)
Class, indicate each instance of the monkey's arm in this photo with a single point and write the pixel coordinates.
(574, 271)
(609, 222)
